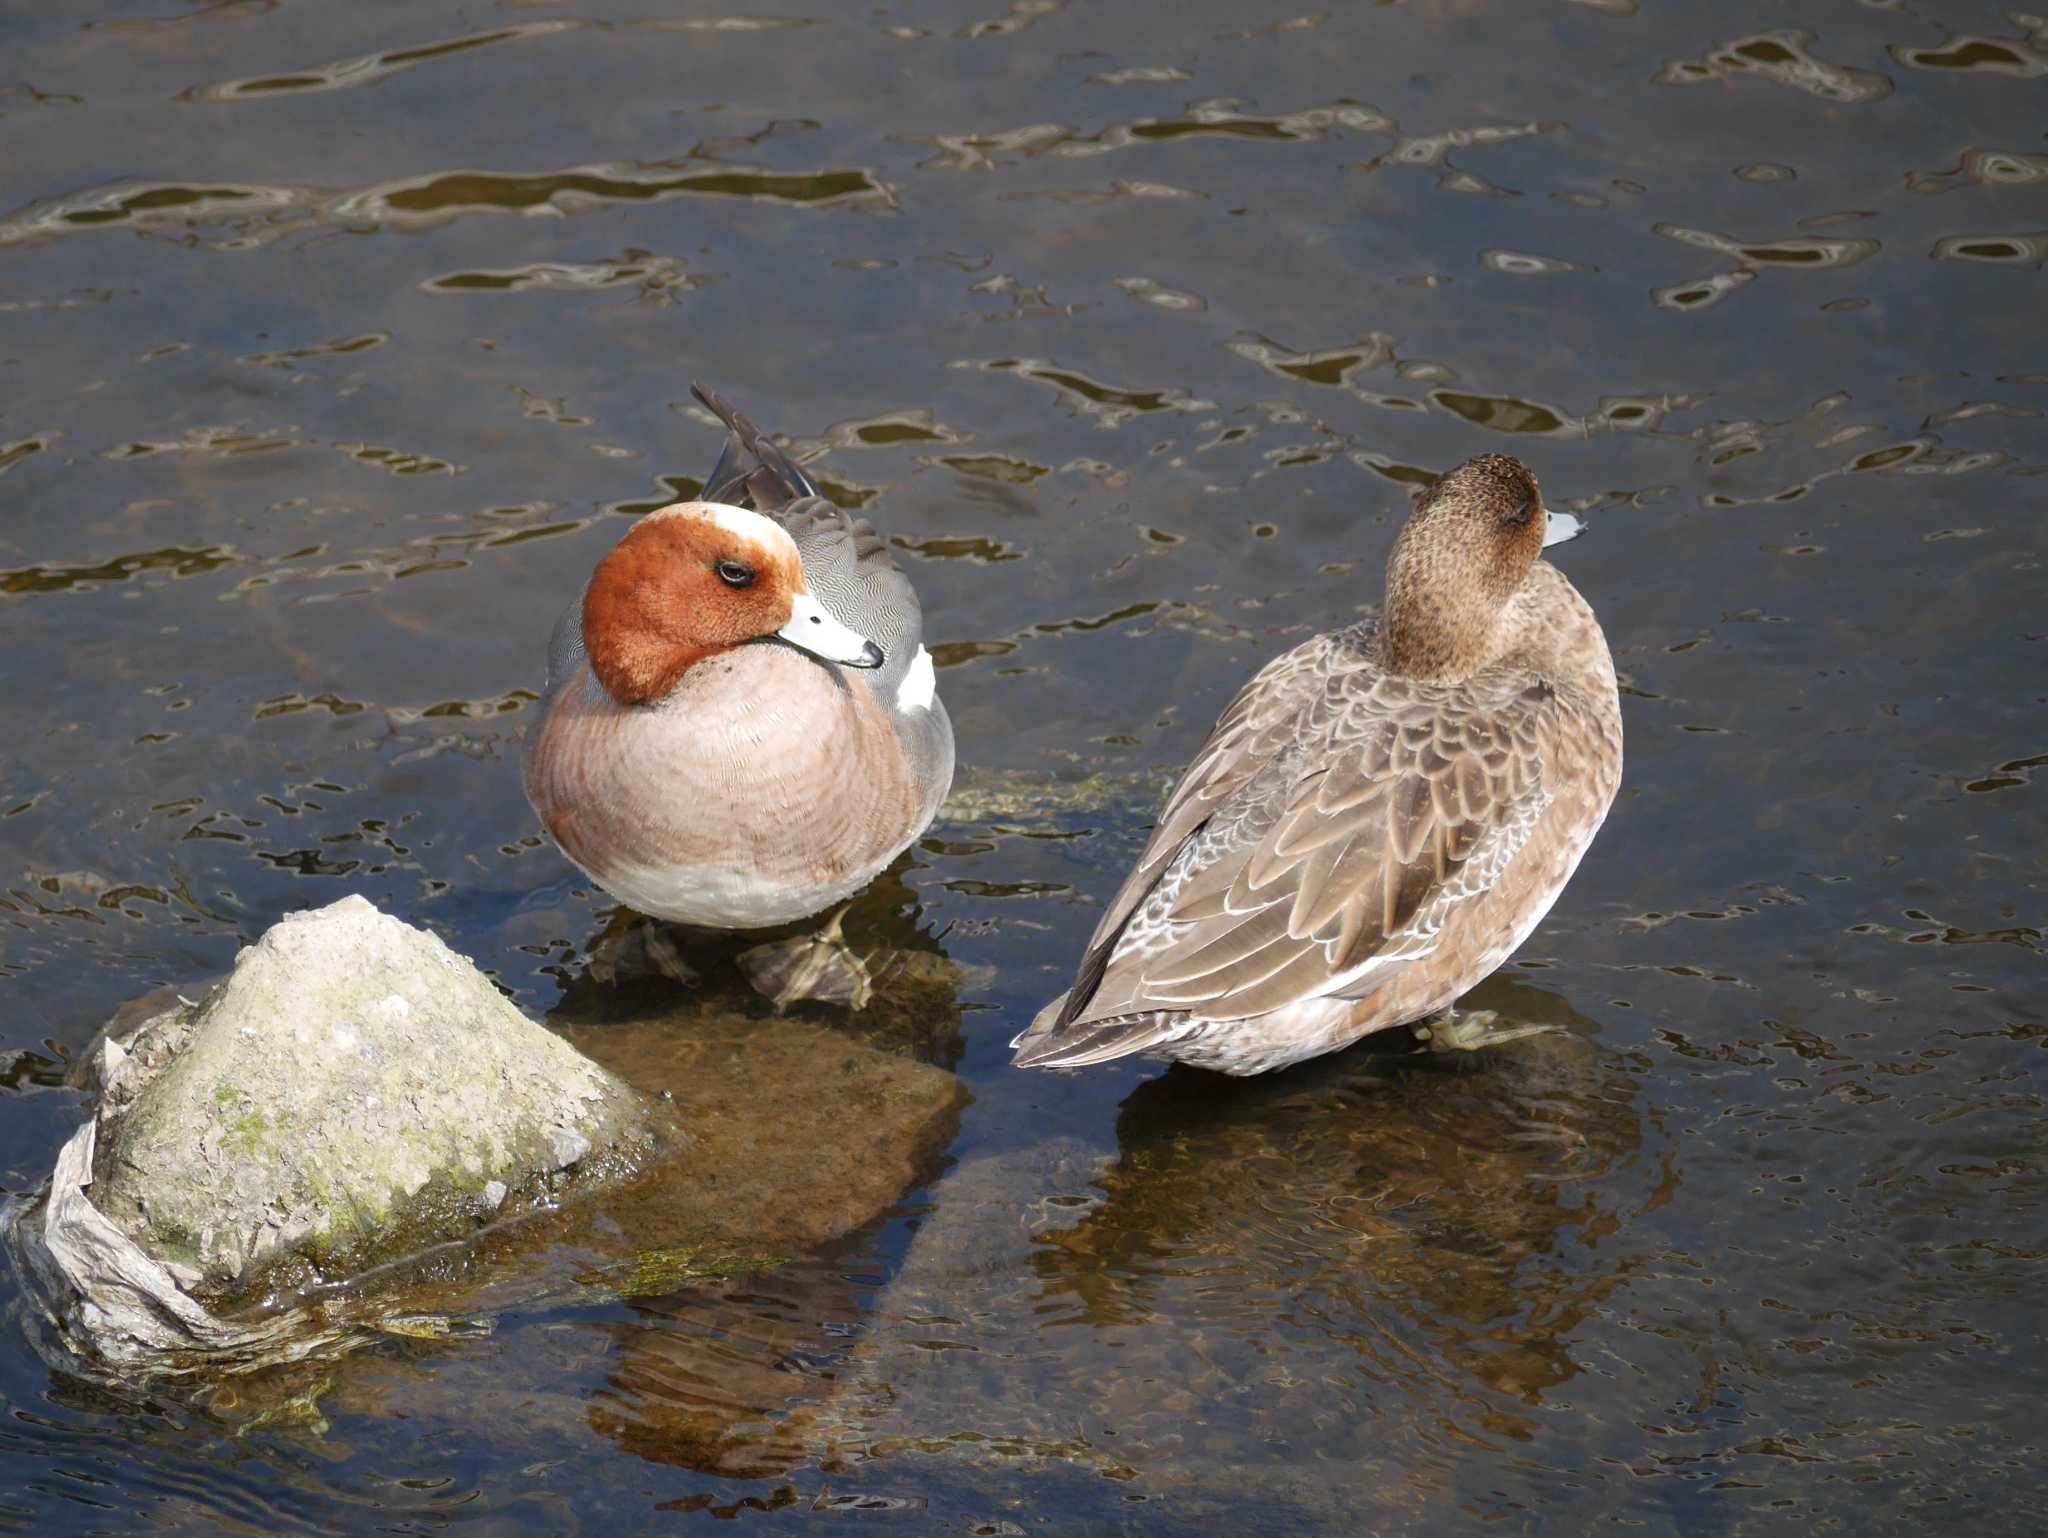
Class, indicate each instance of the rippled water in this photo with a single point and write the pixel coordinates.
(336, 342)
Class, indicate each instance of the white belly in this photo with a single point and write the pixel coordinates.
(718, 897)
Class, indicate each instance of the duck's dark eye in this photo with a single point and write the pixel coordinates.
(734, 573)
(1523, 512)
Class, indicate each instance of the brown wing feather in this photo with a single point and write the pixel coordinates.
(1253, 728)
(1245, 736)
(1325, 868)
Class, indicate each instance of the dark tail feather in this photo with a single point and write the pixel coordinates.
(770, 483)
(727, 481)
(1095, 963)
(1046, 1045)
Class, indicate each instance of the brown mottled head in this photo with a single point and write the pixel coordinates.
(693, 580)
(1466, 549)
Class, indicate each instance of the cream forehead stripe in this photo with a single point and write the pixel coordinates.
(739, 522)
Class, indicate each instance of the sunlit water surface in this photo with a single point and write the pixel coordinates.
(336, 342)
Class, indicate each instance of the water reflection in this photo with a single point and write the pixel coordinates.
(1446, 1227)
(2017, 58)
(248, 215)
(743, 1271)
(346, 74)
(1783, 59)
(728, 1380)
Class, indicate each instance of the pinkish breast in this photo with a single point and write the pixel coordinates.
(763, 788)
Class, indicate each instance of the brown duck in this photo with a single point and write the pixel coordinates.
(1378, 820)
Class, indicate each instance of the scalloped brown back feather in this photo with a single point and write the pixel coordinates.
(1356, 843)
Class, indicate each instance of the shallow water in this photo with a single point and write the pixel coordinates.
(336, 343)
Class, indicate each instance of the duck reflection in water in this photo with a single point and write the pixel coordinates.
(725, 1372)
(728, 1372)
(728, 1379)
(1438, 1228)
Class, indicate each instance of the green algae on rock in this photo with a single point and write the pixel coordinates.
(353, 1082)
(353, 1093)
(258, 1099)
(983, 794)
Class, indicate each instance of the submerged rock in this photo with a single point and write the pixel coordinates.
(352, 1092)
(799, 1136)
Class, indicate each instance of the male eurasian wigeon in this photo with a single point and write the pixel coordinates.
(1378, 820)
(741, 725)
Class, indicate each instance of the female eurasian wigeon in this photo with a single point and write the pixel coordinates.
(741, 724)
(1379, 818)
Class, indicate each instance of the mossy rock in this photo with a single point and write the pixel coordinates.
(349, 1091)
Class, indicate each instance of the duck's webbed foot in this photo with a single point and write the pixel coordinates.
(820, 967)
(665, 954)
(1453, 1031)
(643, 946)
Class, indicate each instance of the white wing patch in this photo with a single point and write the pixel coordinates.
(920, 684)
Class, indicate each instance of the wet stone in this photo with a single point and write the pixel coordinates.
(800, 1131)
(713, 1282)
(353, 1084)
(482, 1162)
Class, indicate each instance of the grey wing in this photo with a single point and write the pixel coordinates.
(1335, 861)
(852, 573)
(850, 570)
(565, 649)
(847, 564)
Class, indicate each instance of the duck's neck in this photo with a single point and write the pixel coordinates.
(1434, 637)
